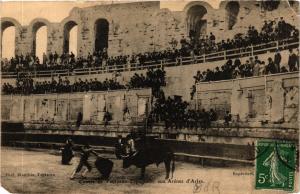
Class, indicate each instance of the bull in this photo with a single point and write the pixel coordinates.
(151, 155)
(104, 166)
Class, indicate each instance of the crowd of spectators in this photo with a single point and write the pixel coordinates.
(252, 67)
(271, 31)
(175, 113)
(27, 85)
(155, 78)
(191, 46)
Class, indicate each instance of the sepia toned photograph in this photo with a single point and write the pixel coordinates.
(150, 97)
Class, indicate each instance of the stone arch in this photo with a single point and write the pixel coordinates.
(68, 26)
(34, 26)
(101, 34)
(37, 23)
(7, 22)
(196, 19)
(232, 11)
(207, 6)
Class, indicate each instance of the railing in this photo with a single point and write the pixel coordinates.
(216, 56)
(292, 74)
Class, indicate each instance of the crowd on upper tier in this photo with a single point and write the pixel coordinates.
(26, 85)
(271, 31)
(190, 46)
(252, 67)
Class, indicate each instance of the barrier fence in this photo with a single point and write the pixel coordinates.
(217, 56)
(249, 96)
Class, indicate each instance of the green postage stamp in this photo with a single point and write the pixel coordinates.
(275, 165)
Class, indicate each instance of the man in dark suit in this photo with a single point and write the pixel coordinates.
(271, 69)
(277, 60)
(293, 61)
(119, 147)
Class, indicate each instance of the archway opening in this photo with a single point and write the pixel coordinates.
(8, 41)
(197, 22)
(101, 34)
(70, 37)
(270, 5)
(39, 47)
(232, 11)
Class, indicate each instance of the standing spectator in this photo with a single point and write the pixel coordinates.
(292, 63)
(212, 38)
(119, 147)
(55, 56)
(79, 120)
(44, 59)
(262, 68)
(256, 69)
(277, 60)
(205, 119)
(51, 57)
(193, 91)
(67, 152)
(106, 118)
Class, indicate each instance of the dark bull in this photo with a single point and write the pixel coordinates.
(104, 166)
(147, 156)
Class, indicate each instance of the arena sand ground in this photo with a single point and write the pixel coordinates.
(24, 171)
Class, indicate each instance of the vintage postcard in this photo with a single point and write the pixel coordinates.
(150, 97)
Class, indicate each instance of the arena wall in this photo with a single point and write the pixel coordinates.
(61, 108)
(269, 98)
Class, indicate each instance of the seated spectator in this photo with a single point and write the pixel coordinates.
(283, 70)
(212, 115)
(270, 69)
(26, 85)
(227, 118)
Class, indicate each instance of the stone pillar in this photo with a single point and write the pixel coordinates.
(291, 110)
(240, 103)
(55, 39)
(22, 109)
(245, 106)
(86, 108)
(101, 107)
(277, 101)
(15, 113)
